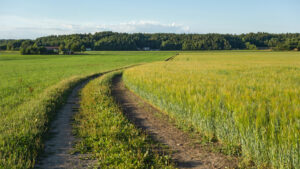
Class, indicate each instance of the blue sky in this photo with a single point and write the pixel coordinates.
(35, 18)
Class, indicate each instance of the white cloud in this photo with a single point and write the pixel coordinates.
(15, 27)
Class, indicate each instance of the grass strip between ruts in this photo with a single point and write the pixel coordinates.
(108, 135)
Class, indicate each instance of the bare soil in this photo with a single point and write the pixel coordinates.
(186, 153)
(59, 149)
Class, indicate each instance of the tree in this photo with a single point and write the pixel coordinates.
(82, 48)
(227, 45)
(163, 41)
(61, 48)
(169, 45)
(284, 46)
(186, 46)
(42, 50)
(26, 47)
(250, 46)
(74, 47)
(10, 46)
(22, 51)
(3, 47)
(273, 42)
(68, 46)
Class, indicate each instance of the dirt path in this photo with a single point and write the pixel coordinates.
(58, 149)
(187, 154)
(58, 152)
(172, 57)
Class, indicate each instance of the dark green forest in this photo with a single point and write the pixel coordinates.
(158, 41)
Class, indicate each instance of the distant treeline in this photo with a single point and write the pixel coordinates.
(157, 41)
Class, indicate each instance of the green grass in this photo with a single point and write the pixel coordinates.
(25, 76)
(33, 86)
(248, 101)
(108, 135)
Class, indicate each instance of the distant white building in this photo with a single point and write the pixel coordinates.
(88, 49)
(146, 48)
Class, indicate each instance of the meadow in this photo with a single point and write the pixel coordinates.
(249, 101)
(32, 87)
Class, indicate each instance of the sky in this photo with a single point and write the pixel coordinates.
(20, 19)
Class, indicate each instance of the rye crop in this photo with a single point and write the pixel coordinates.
(248, 101)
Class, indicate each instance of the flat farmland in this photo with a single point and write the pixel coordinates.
(32, 87)
(249, 101)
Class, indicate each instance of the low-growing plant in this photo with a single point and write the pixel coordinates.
(108, 135)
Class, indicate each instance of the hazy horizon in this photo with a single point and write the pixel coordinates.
(32, 19)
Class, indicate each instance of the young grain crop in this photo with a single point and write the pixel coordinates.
(248, 101)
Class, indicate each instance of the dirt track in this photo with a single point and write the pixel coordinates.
(58, 151)
(187, 154)
(59, 147)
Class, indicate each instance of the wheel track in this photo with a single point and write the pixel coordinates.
(186, 153)
(58, 151)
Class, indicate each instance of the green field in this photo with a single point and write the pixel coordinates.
(108, 135)
(33, 86)
(247, 100)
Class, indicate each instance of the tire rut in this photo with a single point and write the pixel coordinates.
(59, 147)
(59, 152)
(186, 153)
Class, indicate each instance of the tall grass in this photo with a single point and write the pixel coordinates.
(249, 101)
(33, 87)
(108, 135)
